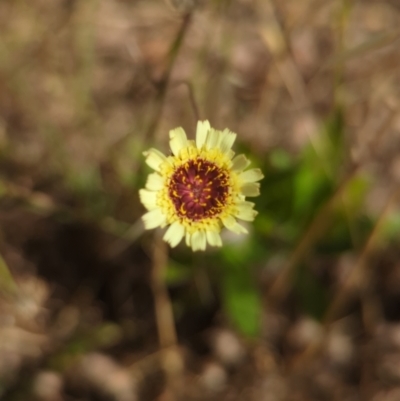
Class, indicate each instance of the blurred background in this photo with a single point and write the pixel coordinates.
(306, 307)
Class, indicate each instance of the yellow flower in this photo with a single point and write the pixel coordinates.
(200, 188)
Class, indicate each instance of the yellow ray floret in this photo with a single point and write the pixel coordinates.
(200, 188)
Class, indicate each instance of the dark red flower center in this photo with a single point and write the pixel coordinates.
(199, 189)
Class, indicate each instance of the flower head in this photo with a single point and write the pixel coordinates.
(200, 188)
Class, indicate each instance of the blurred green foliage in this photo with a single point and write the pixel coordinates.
(315, 194)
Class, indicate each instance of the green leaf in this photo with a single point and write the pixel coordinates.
(280, 159)
(242, 303)
(311, 189)
(313, 296)
(7, 283)
(391, 227)
(240, 294)
(177, 273)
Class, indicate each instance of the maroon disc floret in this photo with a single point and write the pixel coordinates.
(199, 189)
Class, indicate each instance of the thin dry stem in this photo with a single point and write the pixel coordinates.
(192, 98)
(161, 86)
(274, 37)
(171, 358)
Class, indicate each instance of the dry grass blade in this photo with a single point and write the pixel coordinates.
(380, 41)
(341, 296)
(319, 224)
(7, 284)
(125, 240)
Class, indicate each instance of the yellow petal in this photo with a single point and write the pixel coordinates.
(154, 219)
(250, 189)
(251, 175)
(227, 139)
(239, 163)
(178, 140)
(174, 234)
(245, 211)
(198, 241)
(213, 238)
(155, 182)
(148, 198)
(231, 224)
(201, 133)
(213, 138)
(188, 239)
(155, 158)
